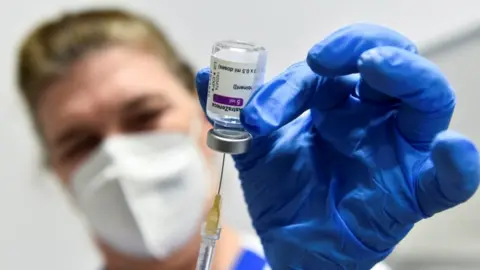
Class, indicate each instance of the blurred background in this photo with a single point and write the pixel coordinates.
(40, 231)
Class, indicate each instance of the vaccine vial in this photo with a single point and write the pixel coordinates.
(237, 69)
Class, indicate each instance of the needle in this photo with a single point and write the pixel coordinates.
(221, 174)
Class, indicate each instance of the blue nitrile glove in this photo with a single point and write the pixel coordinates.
(351, 151)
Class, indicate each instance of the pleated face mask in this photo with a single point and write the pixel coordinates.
(144, 194)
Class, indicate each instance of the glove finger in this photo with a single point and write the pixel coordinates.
(290, 94)
(452, 175)
(427, 99)
(366, 93)
(338, 54)
(201, 81)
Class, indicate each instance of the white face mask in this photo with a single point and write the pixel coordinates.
(144, 194)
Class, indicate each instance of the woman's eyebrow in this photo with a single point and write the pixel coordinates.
(140, 101)
(72, 133)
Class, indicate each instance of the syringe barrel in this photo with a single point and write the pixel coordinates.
(207, 250)
(205, 256)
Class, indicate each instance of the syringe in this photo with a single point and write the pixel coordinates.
(211, 229)
(236, 70)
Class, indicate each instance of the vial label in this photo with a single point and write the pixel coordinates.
(231, 85)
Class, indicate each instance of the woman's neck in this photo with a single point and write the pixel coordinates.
(227, 250)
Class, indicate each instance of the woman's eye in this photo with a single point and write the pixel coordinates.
(147, 117)
(143, 120)
(81, 148)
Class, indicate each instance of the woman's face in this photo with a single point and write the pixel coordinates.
(109, 92)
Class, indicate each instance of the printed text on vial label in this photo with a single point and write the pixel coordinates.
(231, 85)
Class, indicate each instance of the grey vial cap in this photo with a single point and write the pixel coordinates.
(229, 144)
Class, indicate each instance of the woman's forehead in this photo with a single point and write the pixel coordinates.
(120, 67)
(104, 81)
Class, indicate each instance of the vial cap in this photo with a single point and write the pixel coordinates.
(228, 145)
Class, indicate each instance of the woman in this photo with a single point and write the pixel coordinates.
(90, 79)
(116, 109)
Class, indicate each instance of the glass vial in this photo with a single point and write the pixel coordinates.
(237, 70)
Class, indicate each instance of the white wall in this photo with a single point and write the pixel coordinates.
(38, 229)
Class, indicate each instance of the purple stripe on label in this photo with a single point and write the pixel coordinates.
(228, 100)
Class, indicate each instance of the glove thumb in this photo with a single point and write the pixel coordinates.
(201, 83)
(451, 176)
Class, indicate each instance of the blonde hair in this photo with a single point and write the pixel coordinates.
(55, 44)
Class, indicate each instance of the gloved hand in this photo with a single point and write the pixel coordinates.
(350, 151)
